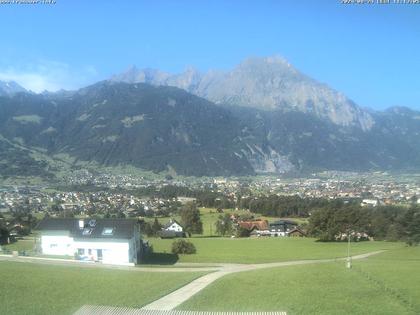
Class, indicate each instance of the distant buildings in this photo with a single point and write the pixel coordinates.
(369, 202)
(279, 228)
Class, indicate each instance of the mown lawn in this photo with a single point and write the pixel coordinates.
(321, 288)
(397, 272)
(260, 250)
(27, 288)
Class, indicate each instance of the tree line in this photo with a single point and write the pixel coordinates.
(391, 223)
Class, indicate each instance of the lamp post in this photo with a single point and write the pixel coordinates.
(348, 262)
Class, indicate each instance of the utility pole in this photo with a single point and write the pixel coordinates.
(348, 263)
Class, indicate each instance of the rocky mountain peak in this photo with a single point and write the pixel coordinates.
(9, 88)
(267, 83)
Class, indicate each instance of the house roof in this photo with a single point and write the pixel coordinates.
(284, 222)
(172, 221)
(92, 228)
(257, 225)
(297, 230)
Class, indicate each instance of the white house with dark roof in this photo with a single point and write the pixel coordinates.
(172, 229)
(111, 241)
(173, 225)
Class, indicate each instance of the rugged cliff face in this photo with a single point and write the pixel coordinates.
(269, 119)
(263, 83)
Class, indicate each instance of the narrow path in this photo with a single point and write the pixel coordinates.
(172, 300)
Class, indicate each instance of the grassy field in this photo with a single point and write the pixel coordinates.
(40, 289)
(385, 284)
(260, 250)
(396, 272)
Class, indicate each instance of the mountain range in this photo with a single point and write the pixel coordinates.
(263, 83)
(264, 116)
(9, 88)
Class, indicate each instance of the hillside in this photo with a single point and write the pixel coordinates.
(153, 128)
(166, 129)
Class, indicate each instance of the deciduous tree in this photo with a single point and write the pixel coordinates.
(190, 219)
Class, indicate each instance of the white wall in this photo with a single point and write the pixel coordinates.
(174, 227)
(112, 252)
(57, 245)
(115, 252)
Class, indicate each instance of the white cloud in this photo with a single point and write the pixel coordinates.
(49, 75)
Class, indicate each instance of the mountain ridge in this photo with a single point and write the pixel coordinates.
(269, 83)
(9, 88)
(164, 128)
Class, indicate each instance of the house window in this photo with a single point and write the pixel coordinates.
(80, 251)
(53, 245)
(108, 231)
(87, 231)
(89, 251)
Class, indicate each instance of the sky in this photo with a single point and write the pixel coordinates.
(370, 52)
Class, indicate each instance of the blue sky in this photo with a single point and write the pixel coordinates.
(369, 52)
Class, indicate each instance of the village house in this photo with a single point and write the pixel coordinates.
(278, 228)
(282, 227)
(256, 228)
(172, 229)
(110, 241)
(296, 232)
(369, 202)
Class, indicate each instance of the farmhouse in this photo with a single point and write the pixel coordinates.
(111, 241)
(278, 228)
(172, 229)
(173, 225)
(259, 225)
(282, 227)
(296, 232)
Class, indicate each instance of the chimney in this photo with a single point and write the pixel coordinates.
(81, 224)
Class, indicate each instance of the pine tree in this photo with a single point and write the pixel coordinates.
(156, 227)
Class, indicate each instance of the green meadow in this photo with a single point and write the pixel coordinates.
(262, 250)
(34, 289)
(388, 283)
(397, 272)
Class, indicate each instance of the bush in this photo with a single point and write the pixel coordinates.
(183, 247)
